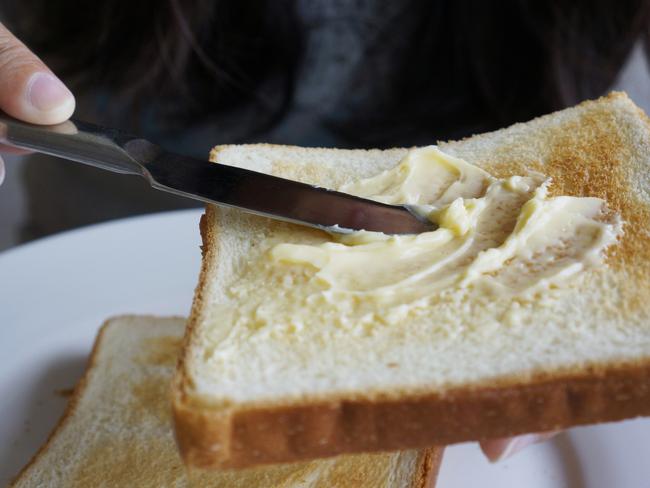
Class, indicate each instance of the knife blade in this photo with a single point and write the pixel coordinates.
(220, 184)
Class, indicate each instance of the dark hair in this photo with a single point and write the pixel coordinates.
(466, 66)
(199, 56)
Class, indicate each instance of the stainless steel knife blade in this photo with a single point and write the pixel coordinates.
(251, 191)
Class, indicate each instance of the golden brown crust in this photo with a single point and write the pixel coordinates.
(428, 462)
(182, 414)
(271, 434)
(74, 399)
(181, 379)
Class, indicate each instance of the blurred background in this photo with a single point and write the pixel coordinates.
(360, 73)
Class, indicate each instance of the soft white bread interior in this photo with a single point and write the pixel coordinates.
(117, 429)
(461, 370)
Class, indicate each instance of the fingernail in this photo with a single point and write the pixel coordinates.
(46, 93)
(515, 445)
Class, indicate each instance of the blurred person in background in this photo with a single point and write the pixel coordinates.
(376, 73)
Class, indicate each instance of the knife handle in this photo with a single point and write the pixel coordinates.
(75, 140)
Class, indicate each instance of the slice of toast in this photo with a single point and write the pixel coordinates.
(117, 429)
(461, 370)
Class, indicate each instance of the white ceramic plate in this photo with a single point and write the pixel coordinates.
(56, 292)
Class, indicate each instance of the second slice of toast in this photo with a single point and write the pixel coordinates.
(117, 429)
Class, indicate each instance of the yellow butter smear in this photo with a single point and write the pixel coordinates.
(495, 236)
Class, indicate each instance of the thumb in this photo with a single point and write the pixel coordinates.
(28, 89)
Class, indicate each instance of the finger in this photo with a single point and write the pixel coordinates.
(28, 89)
(2, 171)
(498, 449)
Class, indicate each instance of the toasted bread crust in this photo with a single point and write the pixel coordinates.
(429, 462)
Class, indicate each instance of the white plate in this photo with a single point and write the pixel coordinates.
(56, 292)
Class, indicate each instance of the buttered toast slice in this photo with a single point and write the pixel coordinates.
(117, 429)
(526, 311)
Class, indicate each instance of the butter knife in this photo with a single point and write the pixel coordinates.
(219, 184)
